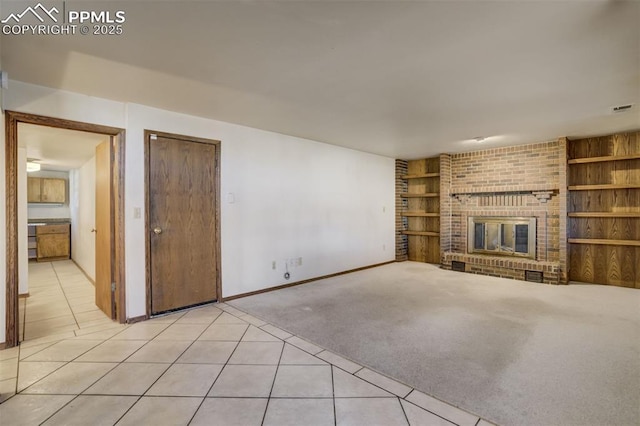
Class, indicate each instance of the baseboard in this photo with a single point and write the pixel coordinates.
(84, 272)
(280, 287)
(3, 345)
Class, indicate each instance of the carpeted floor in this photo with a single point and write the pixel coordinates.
(515, 353)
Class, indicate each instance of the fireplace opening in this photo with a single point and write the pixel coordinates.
(505, 236)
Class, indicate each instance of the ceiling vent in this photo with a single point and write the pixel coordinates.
(621, 108)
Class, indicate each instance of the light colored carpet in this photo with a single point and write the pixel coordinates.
(515, 353)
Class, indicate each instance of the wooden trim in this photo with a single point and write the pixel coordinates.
(24, 295)
(3, 346)
(280, 287)
(603, 159)
(147, 240)
(11, 199)
(425, 195)
(604, 186)
(12, 118)
(217, 144)
(422, 233)
(604, 214)
(425, 175)
(118, 214)
(139, 318)
(605, 242)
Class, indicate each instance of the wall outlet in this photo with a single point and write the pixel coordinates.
(299, 261)
(273, 265)
(384, 247)
(137, 213)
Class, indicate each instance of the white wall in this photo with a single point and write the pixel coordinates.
(23, 248)
(82, 206)
(293, 198)
(49, 211)
(332, 206)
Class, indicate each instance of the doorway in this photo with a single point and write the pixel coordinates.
(114, 193)
(183, 221)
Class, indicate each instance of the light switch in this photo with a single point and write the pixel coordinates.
(231, 198)
(136, 213)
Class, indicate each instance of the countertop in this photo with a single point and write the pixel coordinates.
(57, 221)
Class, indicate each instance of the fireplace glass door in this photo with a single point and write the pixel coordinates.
(502, 235)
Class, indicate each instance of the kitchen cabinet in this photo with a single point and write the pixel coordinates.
(53, 242)
(46, 190)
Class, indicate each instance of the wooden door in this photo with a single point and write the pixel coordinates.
(183, 242)
(103, 233)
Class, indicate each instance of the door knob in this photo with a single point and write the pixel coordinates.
(94, 230)
(157, 230)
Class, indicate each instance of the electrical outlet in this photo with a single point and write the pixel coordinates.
(299, 261)
(136, 213)
(384, 247)
(273, 265)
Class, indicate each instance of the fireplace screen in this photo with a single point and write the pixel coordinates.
(507, 236)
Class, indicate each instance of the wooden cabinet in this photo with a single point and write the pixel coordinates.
(421, 210)
(46, 190)
(53, 242)
(604, 210)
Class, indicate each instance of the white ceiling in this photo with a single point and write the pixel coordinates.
(58, 149)
(402, 79)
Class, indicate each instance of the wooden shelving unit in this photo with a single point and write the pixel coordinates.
(604, 214)
(420, 214)
(604, 209)
(425, 195)
(422, 209)
(604, 242)
(603, 186)
(602, 159)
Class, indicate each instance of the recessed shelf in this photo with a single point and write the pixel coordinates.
(604, 214)
(419, 214)
(422, 233)
(603, 159)
(423, 195)
(605, 242)
(604, 186)
(424, 175)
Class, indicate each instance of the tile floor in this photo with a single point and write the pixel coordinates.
(61, 302)
(211, 365)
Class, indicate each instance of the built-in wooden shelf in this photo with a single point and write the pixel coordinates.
(604, 214)
(602, 159)
(424, 175)
(419, 214)
(604, 186)
(424, 195)
(422, 233)
(604, 242)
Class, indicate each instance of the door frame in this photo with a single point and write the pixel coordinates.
(147, 240)
(12, 119)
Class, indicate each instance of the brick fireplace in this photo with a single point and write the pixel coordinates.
(514, 182)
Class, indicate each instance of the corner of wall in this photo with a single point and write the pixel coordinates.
(401, 186)
(563, 196)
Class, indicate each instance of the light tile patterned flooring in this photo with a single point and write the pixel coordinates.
(61, 301)
(210, 365)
